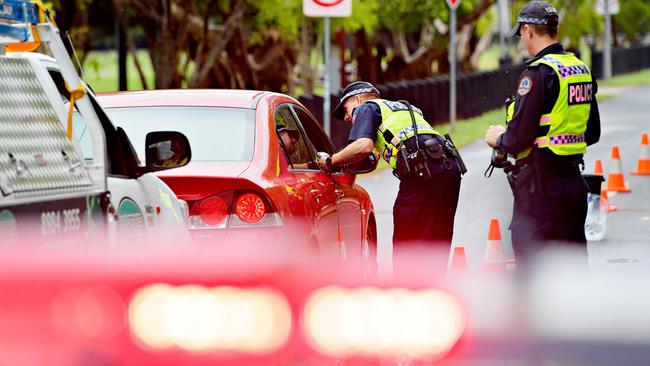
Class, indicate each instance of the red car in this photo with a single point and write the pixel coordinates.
(253, 175)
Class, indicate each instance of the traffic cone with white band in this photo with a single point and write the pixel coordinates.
(643, 165)
(616, 179)
(494, 261)
(604, 200)
(458, 261)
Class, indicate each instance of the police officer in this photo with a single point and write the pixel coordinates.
(424, 210)
(552, 121)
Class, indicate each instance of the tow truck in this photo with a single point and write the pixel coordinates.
(65, 169)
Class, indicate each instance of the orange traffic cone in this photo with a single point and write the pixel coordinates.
(494, 251)
(616, 179)
(598, 167)
(604, 200)
(458, 261)
(643, 166)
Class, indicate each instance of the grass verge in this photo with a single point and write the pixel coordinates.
(632, 79)
(100, 71)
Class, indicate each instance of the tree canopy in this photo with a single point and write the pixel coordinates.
(271, 45)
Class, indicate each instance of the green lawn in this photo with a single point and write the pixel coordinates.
(631, 79)
(100, 71)
(489, 60)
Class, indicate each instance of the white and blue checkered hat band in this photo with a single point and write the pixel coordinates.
(358, 91)
(528, 20)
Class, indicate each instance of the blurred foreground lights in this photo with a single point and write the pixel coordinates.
(421, 324)
(202, 319)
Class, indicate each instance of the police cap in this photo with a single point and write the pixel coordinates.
(536, 12)
(354, 88)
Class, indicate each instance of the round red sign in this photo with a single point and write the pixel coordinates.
(327, 2)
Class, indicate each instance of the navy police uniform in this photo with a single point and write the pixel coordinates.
(550, 194)
(424, 210)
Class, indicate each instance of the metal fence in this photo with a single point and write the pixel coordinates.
(624, 60)
(477, 93)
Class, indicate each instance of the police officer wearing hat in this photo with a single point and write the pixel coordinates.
(425, 207)
(553, 119)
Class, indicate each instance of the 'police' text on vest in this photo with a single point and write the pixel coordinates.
(580, 93)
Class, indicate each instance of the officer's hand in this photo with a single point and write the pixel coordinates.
(322, 164)
(493, 133)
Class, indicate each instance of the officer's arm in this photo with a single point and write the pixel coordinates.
(592, 134)
(366, 120)
(356, 151)
(529, 102)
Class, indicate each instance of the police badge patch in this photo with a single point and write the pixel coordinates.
(525, 85)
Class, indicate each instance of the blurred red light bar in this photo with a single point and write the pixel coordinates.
(189, 307)
(390, 322)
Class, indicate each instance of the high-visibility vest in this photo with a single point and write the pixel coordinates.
(396, 126)
(568, 119)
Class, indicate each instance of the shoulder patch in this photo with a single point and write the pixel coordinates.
(525, 85)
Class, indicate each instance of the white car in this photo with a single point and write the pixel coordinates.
(59, 178)
(143, 206)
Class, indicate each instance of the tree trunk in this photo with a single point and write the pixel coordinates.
(304, 59)
(482, 45)
(368, 65)
(164, 54)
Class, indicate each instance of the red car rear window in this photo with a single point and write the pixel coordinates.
(215, 134)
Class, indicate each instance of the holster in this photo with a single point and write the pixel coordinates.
(416, 162)
(523, 182)
(402, 169)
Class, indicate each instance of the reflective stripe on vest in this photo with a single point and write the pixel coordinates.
(407, 131)
(396, 119)
(568, 119)
(556, 140)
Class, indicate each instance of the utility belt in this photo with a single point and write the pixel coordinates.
(427, 159)
(557, 165)
(529, 176)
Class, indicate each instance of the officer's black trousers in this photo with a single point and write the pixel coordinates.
(424, 210)
(554, 215)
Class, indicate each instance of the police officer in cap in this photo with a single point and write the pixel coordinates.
(424, 210)
(553, 119)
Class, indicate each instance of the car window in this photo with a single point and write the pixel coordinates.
(82, 135)
(215, 134)
(292, 139)
(315, 134)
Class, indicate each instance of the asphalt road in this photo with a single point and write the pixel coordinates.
(627, 242)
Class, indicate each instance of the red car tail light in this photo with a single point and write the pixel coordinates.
(232, 209)
(250, 208)
(213, 211)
